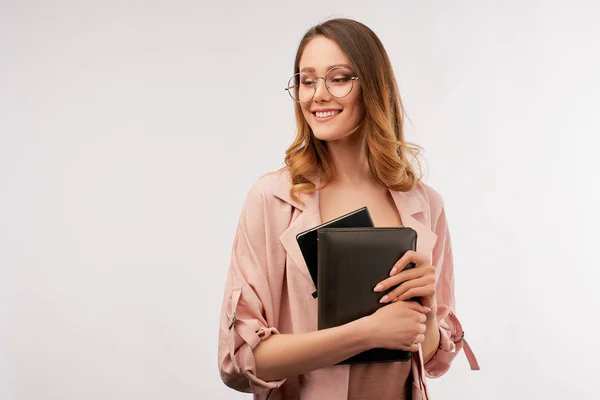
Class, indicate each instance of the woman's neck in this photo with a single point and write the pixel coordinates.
(349, 157)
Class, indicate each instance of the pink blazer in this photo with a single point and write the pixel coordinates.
(268, 290)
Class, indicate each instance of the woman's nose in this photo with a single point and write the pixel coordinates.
(321, 92)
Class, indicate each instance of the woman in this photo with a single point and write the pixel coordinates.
(349, 152)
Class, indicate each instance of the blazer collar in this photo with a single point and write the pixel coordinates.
(411, 206)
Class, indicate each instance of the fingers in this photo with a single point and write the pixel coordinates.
(420, 338)
(409, 256)
(413, 305)
(403, 276)
(422, 291)
(406, 275)
(408, 324)
(421, 287)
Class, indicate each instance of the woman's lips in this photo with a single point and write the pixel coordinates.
(327, 118)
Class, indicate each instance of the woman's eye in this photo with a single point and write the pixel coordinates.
(340, 79)
(307, 83)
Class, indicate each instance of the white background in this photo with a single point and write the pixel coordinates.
(130, 133)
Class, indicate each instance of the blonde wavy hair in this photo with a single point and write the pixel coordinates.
(388, 153)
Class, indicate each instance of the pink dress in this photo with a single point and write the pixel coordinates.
(268, 291)
(389, 381)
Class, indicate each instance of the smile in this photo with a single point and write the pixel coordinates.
(323, 116)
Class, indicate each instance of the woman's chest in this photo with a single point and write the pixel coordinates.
(334, 203)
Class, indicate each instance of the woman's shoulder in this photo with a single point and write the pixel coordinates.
(263, 208)
(267, 184)
(432, 196)
(263, 191)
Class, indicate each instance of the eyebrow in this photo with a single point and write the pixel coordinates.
(311, 69)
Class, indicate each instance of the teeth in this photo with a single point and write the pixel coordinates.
(325, 114)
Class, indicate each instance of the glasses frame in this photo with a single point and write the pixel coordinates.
(316, 78)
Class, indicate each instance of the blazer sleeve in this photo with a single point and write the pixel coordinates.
(452, 338)
(247, 302)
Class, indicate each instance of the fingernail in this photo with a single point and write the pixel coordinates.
(378, 288)
(384, 299)
(428, 309)
(393, 271)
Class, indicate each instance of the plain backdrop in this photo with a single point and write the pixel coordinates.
(131, 132)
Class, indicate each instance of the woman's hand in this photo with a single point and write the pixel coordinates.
(415, 282)
(400, 326)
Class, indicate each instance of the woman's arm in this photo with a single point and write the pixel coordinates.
(432, 337)
(395, 326)
(285, 355)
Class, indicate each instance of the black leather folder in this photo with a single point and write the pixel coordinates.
(351, 262)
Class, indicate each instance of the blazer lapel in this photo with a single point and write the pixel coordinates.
(309, 217)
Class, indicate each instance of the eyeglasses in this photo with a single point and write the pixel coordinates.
(338, 82)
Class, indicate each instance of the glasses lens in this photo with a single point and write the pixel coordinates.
(339, 81)
(301, 87)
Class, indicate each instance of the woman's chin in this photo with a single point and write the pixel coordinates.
(329, 136)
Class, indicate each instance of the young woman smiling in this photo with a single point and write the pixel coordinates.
(349, 152)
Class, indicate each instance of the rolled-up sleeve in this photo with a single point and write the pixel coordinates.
(452, 339)
(247, 302)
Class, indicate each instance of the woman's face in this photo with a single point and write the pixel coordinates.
(319, 56)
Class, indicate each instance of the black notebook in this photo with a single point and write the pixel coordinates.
(307, 240)
(351, 262)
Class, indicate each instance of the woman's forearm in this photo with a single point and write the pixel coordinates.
(285, 355)
(432, 337)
